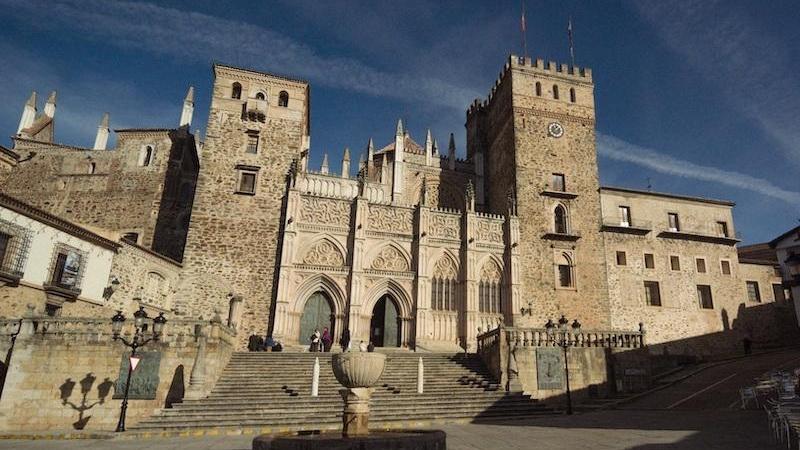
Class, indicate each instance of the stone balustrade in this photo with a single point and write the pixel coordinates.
(538, 337)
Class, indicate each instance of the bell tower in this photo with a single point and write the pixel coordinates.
(537, 132)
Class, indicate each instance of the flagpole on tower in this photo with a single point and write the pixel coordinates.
(524, 33)
(571, 43)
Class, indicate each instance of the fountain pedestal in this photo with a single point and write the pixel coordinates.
(357, 372)
(355, 420)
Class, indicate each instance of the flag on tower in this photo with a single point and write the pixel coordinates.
(524, 32)
(571, 46)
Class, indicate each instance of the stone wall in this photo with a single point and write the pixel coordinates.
(679, 323)
(62, 373)
(110, 189)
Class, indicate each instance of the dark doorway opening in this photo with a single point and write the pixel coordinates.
(384, 328)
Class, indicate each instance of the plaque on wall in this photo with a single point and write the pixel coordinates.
(550, 368)
(144, 380)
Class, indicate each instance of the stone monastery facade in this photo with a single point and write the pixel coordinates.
(410, 246)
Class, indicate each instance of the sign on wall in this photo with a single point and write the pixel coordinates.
(144, 380)
(549, 368)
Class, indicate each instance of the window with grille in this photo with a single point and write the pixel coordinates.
(252, 143)
(675, 262)
(565, 271)
(622, 259)
(704, 296)
(753, 293)
(559, 182)
(725, 267)
(652, 293)
(701, 265)
(649, 261)
(247, 182)
(14, 245)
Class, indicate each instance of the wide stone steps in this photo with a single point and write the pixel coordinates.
(258, 390)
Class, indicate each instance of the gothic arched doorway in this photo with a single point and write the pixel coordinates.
(317, 315)
(384, 328)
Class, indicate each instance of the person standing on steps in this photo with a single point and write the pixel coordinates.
(326, 340)
(345, 340)
(315, 341)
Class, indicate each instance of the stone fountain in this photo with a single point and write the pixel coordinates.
(358, 372)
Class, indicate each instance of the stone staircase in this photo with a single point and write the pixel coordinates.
(273, 390)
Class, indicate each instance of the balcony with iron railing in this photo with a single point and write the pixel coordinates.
(12, 260)
(568, 235)
(617, 225)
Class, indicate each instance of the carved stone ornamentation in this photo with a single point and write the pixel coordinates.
(390, 259)
(325, 211)
(324, 253)
(490, 271)
(489, 231)
(444, 226)
(382, 218)
(445, 269)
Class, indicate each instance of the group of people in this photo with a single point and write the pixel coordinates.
(322, 342)
(257, 343)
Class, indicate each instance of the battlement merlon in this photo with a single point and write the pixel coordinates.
(552, 69)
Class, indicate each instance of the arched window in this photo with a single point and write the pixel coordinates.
(236, 91)
(565, 271)
(260, 96)
(538, 89)
(555, 91)
(490, 289)
(560, 222)
(283, 99)
(146, 155)
(572, 95)
(443, 286)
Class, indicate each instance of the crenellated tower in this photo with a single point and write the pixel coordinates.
(536, 135)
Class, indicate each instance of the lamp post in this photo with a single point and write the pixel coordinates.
(562, 339)
(139, 340)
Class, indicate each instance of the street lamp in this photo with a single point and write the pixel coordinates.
(139, 340)
(564, 340)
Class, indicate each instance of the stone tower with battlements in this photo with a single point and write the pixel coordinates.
(536, 136)
(258, 124)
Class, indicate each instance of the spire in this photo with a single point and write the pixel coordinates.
(50, 106)
(28, 113)
(346, 163)
(435, 147)
(324, 168)
(188, 108)
(400, 131)
(101, 140)
(370, 151)
(451, 152)
(428, 148)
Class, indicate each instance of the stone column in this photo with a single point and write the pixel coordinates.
(422, 285)
(359, 225)
(283, 328)
(511, 275)
(469, 272)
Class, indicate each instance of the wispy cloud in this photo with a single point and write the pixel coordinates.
(747, 63)
(619, 150)
(197, 37)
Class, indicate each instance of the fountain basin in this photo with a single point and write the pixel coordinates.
(358, 369)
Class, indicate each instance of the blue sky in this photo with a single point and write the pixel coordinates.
(694, 97)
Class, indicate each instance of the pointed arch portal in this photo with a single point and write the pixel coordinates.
(317, 315)
(384, 328)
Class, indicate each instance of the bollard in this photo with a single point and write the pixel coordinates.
(315, 379)
(420, 376)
